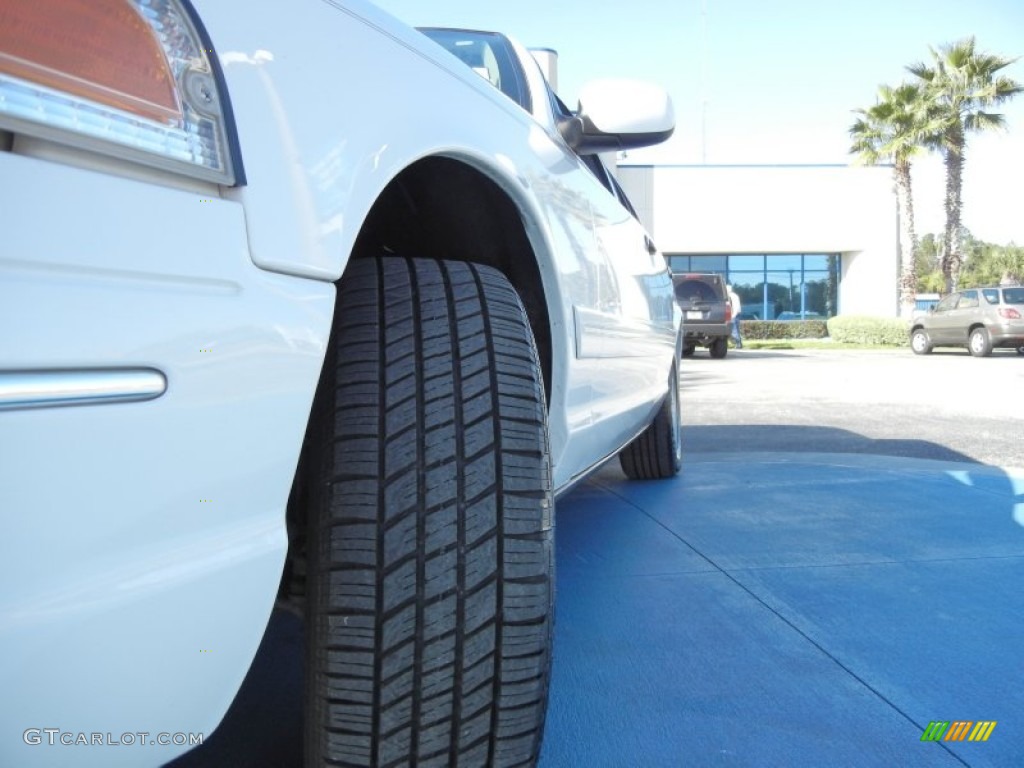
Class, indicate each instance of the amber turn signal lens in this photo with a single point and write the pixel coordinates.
(101, 50)
(133, 79)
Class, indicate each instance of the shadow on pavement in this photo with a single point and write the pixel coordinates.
(730, 438)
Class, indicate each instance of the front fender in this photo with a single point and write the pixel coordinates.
(320, 143)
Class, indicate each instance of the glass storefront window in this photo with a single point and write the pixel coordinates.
(785, 263)
(679, 263)
(769, 285)
(709, 264)
(789, 285)
(698, 263)
(783, 294)
(749, 286)
(816, 294)
(746, 263)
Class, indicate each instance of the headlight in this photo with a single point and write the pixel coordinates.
(136, 79)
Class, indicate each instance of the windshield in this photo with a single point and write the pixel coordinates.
(486, 53)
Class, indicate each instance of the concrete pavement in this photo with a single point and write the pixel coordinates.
(947, 405)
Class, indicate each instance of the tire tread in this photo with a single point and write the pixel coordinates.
(417, 613)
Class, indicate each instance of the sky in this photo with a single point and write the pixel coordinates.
(776, 81)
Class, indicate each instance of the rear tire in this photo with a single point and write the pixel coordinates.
(658, 451)
(429, 611)
(719, 348)
(687, 351)
(979, 343)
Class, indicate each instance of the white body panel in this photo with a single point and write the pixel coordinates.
(143, 541)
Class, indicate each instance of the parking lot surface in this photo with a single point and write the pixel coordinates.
(947, 405)
(838, 565)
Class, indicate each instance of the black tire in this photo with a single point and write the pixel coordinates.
(719, 348)
(429, 612)
(687, 351)
(979, 343)
(920, 343)
(1020, 350)
(658, 451)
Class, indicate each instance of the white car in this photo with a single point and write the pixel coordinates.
(299, 310)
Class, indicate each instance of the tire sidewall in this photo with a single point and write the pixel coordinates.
(674, 412)
(919, 342)
(978, 342)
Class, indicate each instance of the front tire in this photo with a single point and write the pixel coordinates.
(429, 611)
(920, 343)
(979, 343)
(658, 451)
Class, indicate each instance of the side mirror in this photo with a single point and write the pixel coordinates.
(619, 114)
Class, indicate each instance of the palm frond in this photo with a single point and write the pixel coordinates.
(984, 121)
(959, 84)
(891, 129)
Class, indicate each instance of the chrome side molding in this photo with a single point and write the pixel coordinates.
(48, 389)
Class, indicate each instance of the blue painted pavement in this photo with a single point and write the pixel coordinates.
(789, 610)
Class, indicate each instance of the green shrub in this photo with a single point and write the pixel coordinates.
(854, 329)
(793, 329)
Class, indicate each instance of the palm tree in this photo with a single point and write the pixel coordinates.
(961, 84)
(894, 130)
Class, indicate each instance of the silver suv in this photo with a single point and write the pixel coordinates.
(977, 318)
(706, 312)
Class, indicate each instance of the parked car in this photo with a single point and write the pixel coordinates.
(977, 318)
(706, 312)
(299, 309)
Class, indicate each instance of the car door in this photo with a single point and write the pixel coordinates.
(624, 313)
(940, 320)
(966, 314)
(632, 335)
(615, 285)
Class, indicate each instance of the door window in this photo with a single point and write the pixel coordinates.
(968, 300)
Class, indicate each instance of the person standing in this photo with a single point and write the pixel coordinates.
(737, 307)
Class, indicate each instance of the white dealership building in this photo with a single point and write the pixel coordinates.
(804, 240)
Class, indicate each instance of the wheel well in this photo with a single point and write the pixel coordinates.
(437, 208)
(442, 208)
